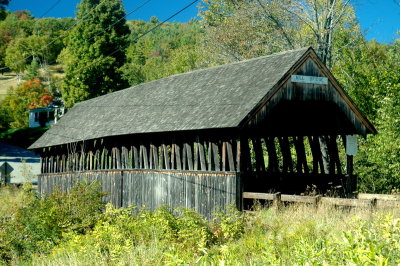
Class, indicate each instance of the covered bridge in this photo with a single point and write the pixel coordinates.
(199, 139)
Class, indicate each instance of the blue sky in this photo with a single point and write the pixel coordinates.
(380, 19)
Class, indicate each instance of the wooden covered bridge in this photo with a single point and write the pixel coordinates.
(201, 139)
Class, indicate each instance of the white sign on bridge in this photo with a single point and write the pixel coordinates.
(310, 79)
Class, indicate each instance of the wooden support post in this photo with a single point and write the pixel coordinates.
(223, 156)
(145, 156)
(350, 166)
(317, 200)
(160, 152)
(178, 156)
(260, 164)
(155, 156)
(316, 154)
(105, 158)
(334, 155)
(173, 156)
(98, 159)
(118, 158)
(196, 154)
(135, 156)
(301, 165)
(323, 143)
(246, 157)
(215, 152)
(287, 164)
(184, 157)
(277, 201)
(230, 155)
(238, 155)
(189, 156)
(90, 160)
(201, 155)
(209, 157)
(44, 164)
(167, 164)
(373, 204)
(273, 164)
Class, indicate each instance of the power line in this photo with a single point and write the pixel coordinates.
(62, 35)
(51, 8)
(136, 39)
(109, 27)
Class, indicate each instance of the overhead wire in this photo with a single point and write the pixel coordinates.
(59, 37)
(51, 8)
(109, 27)
(136, 39)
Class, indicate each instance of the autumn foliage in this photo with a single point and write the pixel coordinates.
(30, 94)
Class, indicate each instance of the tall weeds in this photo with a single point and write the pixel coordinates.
(76, 229)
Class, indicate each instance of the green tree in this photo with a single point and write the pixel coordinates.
(171, 49)
(237, 30)
(3, 4)
(375, 77)
(20, 52)
(95, 51)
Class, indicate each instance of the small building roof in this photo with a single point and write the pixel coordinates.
(211, 98)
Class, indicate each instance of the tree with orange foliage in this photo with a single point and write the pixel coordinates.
(31, 94)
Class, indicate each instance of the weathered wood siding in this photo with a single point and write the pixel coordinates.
(202, 191)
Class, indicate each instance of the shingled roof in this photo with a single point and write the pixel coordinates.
(211, 98)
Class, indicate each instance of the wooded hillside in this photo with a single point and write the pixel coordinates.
(39, 59)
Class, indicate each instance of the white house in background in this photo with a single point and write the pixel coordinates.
(45, 116)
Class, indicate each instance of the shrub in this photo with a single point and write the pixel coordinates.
(40, 224)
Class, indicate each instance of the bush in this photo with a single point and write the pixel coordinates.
(39, 225)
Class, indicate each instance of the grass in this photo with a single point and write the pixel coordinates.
(6, 80)
(9, 79)
(298, 235)
(294, 235)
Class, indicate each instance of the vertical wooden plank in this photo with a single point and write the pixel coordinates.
(184, 157)
(189, 155)
(209, 157)
(260, 164)
(166, 156)
(141, 157)
(201, 155)
(196, 154)
(238, 154)
(316, 153)
(246, 157)
(273, 164)
(287, 164)
(301, 165)
(178, 156)
(223, 156)
(334, 161)
(135, 156)
(230, 155)
(331, 156)
(155, 155)
(118, 158)
(215, 156)
(323, 144)
(145, 156)
(161, 161)
(151, 157)
(173, 147)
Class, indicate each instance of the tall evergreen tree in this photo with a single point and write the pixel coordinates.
(95, 51)
(3, 4)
